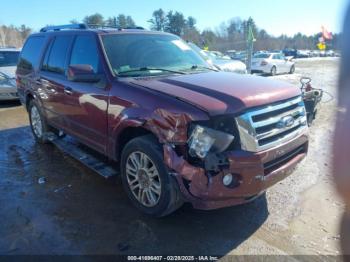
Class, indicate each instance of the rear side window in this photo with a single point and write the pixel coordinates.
(30, 55)
(85, 52)
(56, 54)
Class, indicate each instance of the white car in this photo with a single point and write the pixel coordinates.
(272, 63)
(8, 64)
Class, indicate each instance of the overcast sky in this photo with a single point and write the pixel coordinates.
(275, 16)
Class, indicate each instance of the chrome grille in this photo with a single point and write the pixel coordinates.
(269, 126)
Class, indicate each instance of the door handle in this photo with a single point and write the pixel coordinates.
(68, 90)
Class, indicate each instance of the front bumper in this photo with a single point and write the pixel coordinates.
(8, 93)
(256, 172)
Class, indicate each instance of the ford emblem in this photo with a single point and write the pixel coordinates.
(286, 121)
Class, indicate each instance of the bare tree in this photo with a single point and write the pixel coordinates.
(158, 20)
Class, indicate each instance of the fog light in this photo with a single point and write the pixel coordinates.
(227, 180)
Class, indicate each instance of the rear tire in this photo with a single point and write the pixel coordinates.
(146, 179)
(292, 69)
(38, 123)
(273, 71)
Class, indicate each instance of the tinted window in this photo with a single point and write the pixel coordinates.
(85, 52)
(8, 58)
(30, 55)
(58, 54)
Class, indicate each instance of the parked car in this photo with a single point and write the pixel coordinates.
(303, 54)
(241, 56)
(315, 53)
(172, 127)
(272, 63)
(230, 53)
(290, 53)
(225, 63)
(220, 61)
(220, 55)
(337, 54)
(330, 53)
(8, 62)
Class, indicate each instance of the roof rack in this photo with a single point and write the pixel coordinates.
(62, 27)
(96, 26)
(86, 26)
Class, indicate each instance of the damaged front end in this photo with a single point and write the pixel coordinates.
(212, 166)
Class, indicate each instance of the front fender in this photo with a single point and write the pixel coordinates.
(168, 127)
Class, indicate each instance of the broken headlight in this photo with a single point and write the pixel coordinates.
(204, 139)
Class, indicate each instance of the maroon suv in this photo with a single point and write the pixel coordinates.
(176, 129)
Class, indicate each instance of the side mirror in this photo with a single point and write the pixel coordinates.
(83, 73)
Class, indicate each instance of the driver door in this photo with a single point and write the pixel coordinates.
(87, 102)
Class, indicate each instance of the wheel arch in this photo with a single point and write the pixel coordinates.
(126, 135)
(29, 97)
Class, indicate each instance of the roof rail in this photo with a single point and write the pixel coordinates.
(97, 26)
(61, 27)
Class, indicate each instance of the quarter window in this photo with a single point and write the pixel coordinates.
(30, 55)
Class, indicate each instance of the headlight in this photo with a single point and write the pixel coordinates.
(203, 140)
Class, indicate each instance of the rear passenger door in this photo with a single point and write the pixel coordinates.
(53, 80)
(87, 102)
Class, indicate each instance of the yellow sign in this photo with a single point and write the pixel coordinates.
(321, 46)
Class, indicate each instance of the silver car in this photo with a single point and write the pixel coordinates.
(8, 62)
(220, 61)
(225, 63)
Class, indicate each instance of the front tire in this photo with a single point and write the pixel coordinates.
(146, 179)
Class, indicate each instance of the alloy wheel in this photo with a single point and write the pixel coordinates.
(36, 122)
(143, 179)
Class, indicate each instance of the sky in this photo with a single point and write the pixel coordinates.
(275, 16)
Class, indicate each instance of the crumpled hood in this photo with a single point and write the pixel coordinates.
(221, 92)
(9, 71)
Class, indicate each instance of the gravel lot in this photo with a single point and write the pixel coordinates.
(75, 211)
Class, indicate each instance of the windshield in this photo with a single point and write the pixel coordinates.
(8, 58)
(262, 55)
(131, 54)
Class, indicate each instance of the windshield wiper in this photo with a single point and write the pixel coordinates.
(142, 69)
(194, 67)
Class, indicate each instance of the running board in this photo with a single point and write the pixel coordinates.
(84, 155)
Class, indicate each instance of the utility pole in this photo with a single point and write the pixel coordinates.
(250, 46)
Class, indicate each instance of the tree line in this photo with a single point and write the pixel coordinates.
(13, 36)
(228, 35)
